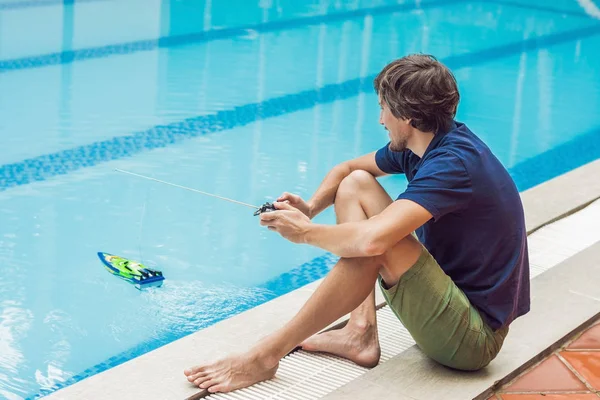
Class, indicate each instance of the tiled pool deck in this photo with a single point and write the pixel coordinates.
(570, 373)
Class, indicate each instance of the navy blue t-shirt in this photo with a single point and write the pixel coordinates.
(477, 233)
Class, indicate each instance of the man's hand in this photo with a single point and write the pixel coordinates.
(297, 202)
(291, 223)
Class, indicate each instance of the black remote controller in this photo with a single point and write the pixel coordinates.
(265, 208)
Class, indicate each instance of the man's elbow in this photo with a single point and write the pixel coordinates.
(343, 168)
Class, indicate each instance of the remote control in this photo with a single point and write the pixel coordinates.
(265, 208)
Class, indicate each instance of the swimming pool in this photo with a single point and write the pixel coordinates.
(245, 104)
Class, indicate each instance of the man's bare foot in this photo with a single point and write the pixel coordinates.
(232, 373)
(357, 343)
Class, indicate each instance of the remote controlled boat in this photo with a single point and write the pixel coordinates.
(132, 271)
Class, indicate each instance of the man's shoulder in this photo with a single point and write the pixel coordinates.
(442, 165)
(464, 145)
(462, 139)
(481, 164)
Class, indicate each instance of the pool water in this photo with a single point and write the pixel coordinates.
(244, 99)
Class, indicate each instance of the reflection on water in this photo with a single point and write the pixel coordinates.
(198, 305)
(15, 324)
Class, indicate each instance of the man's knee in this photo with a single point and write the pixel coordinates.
(355, 181)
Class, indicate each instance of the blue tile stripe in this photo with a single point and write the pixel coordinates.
(14, 5)
(47, 166)
(536, 7)
(580, 150)
(210, 35)
(301, 276)
(219, 34)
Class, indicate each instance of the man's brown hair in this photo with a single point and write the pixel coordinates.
(420, 88)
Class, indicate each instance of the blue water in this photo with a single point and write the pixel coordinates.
(245, 104)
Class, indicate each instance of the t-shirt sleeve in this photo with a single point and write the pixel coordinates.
(442, 185)
(390, 161)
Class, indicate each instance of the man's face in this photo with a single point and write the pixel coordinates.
(397, 128)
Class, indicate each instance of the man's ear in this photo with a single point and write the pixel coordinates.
(407, 121)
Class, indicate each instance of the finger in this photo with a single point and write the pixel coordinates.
(269, 216)
(283, 206)
(267, 222)
(273, 228)
(292, 198)
(284, 196)
(270, 222)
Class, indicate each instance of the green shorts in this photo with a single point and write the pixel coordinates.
(441, 319)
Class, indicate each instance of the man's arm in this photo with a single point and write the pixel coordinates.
(371, 237)
(325, 194)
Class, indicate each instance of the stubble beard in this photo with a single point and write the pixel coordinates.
(398, 145)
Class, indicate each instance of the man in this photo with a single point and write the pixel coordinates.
(456, 285)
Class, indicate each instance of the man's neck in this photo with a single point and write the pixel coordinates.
(419, 141)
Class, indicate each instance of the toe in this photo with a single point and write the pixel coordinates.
(217, 388)
(193, 370)
(199, 381)
(309, 346)
(207, 384)
(192, 378)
